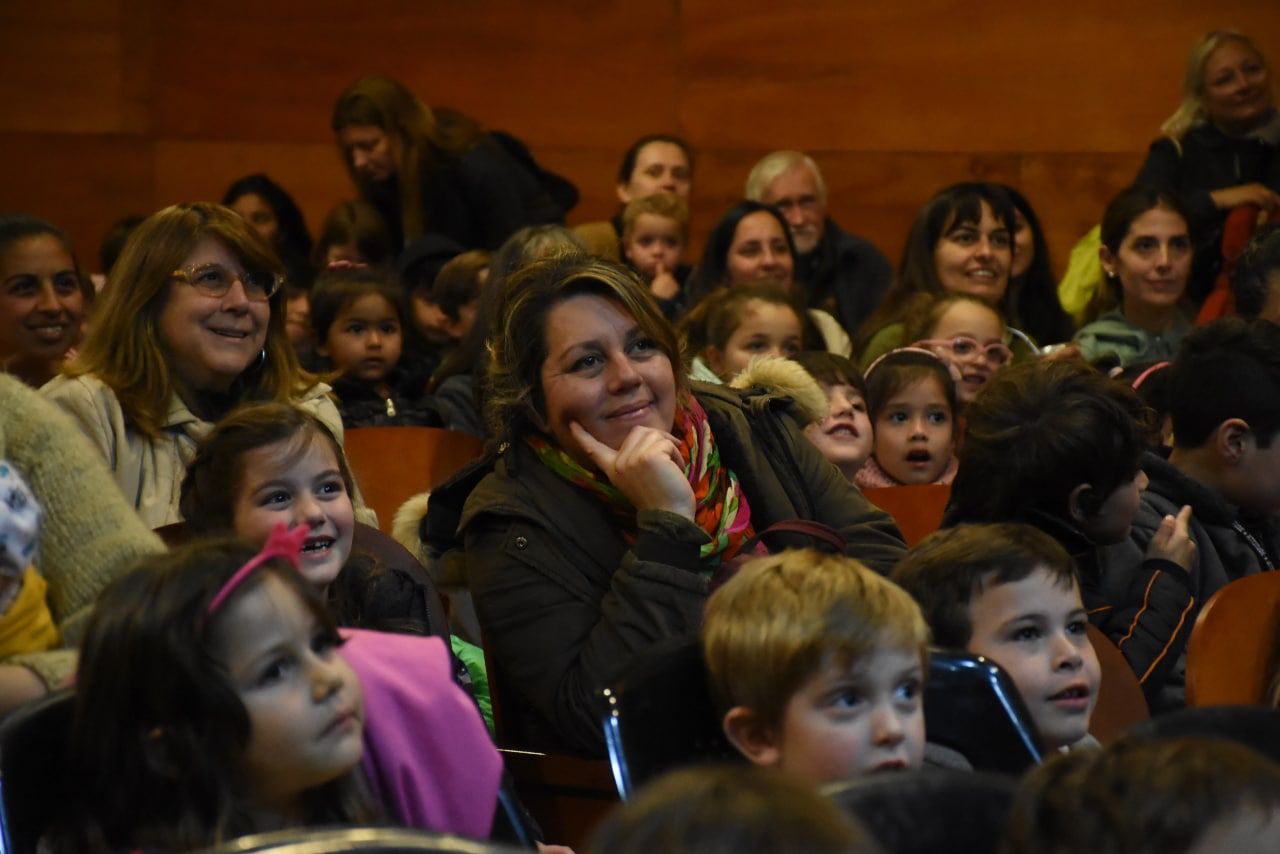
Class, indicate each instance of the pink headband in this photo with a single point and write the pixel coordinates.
(912, 349)
(283, 542)
(346, 265)
(1142, 377)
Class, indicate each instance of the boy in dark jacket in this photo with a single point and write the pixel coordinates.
(1059, 446)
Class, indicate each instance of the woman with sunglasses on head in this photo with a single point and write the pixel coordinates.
(191, 324)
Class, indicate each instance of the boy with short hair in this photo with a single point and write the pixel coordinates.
(655, 231)
(1225, 464)
(1256, 280)
(1010, 592)
(1060, 446)
(818, 664)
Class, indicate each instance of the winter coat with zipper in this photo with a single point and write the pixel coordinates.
(567, 605)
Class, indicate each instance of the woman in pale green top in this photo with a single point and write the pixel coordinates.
(1146, 255)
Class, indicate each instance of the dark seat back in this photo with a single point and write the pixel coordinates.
(662, 716)
(33, 769)
(972, 707)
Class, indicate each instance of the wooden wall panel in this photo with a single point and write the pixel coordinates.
(1069, 192)
(83, 182)
(119, 105)
(942, 75)
(202, 170)
(67, 68)
(579, 73)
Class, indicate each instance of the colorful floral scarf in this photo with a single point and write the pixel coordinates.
(720, 507)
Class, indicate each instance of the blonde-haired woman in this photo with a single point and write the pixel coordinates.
(1221, 147)
(438, 171)
(191, 323)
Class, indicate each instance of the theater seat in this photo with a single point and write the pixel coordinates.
(917, 509)
(1234, 651)
(387, 840)
(393, 464)
(1121, 703)
(662, 716)
(33, 770)
(972, 707)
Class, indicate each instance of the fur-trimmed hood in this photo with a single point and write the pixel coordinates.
(786, 378)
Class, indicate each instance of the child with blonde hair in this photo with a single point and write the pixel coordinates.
(731, 326)
(655, 232)
(818, 664)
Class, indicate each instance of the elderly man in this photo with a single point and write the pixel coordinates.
(841, 273)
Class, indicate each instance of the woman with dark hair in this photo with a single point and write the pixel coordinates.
(1147, 258)
(273, 214)
(455, 385)
(960, 242)
(654, 163)
(751, 243)
(438, 171)
(1221, 146)
(1033, 292)
(43, 298)
(619, 490)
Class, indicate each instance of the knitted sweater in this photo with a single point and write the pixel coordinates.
(90, 535)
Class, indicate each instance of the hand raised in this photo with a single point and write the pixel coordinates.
(1172, 540)
(646, 468)
(664, 285)
(1247, 194)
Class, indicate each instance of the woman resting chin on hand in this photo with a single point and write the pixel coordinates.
(619, 491)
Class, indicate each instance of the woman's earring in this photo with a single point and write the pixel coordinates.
(262, 357)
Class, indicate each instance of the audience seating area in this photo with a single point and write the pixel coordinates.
(1235, 644)
(393, 464)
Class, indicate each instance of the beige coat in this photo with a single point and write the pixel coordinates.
(149, 471)
(88, 536)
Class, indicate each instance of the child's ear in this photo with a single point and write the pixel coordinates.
(1229, 440)
(752, 737)
(1076, 501)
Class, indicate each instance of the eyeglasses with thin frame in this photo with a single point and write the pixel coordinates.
(964, 347)
(214, 280)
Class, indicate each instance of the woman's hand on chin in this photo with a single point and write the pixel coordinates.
(647, 468)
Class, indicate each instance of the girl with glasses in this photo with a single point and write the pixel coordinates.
(960, 243)
(192, 323)
(966, 333)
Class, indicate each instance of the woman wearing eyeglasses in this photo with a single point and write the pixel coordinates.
(191, 323)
